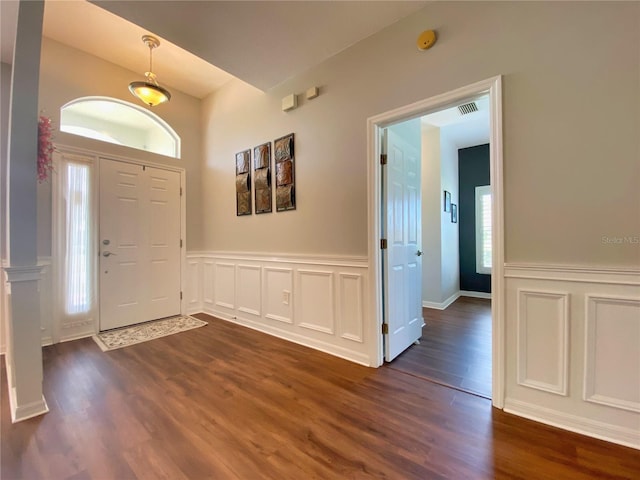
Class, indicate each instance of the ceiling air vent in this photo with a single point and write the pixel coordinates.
(468, 108)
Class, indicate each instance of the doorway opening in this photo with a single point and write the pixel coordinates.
(461, 302)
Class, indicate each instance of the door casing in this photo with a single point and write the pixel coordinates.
(492, 87)
(96, 209)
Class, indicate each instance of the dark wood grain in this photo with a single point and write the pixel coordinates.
(225, 402)
(455, 347)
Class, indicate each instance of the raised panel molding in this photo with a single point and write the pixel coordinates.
(193, 286)
(543, 340)
(224, 285)
(277, 282)
(208, 276)
(317, 301)
(612, 352)
(315, 308)
(249, 289)
(350, 298)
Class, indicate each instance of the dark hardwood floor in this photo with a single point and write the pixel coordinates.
(455, 347)
(225, 402)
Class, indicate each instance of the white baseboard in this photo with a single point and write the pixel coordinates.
(295, 338)
(29, 410)
(453, 298)
(628, 437)
(441, 305)
(466, 293)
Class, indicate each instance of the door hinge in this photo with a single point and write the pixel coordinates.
(144, 168)
(180, 295)
(383, 159)
(385, 328)
(180, 191)
(180, 243)
(383, 243)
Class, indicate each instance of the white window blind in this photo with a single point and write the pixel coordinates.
(483, 229)
(78, 271)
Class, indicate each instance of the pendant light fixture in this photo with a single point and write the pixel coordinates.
(149, 91)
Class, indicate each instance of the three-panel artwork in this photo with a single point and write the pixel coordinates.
(262, 184)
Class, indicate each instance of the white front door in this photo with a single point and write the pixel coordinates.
(402, 261)
(139, 243)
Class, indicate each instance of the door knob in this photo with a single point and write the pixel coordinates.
(419, 253)
(107, 254)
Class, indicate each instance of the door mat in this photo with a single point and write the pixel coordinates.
(123, 337)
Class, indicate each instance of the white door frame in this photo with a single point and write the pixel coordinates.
(96, 156)
(492, 86)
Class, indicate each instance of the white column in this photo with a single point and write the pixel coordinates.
(24, 353)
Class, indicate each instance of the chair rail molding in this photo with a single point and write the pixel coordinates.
(572, 350)
(313, 300)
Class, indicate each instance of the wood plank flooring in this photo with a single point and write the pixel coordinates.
(225, 402)
(455, 347)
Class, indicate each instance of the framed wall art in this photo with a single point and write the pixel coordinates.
(262, 177)
(243, 183)
(447, 201)
(285, 173)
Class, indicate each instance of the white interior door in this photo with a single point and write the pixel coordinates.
(139, 244)
(402, 261)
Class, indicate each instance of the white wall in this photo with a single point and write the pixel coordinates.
(450, 285)
(554, 83)
(571, 154)
(432, 208)
(66, 74)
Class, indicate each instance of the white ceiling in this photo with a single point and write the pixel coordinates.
(463, 130)
(119, 41)
(260, 42)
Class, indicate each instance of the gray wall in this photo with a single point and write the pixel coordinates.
(66, 74)
(560, 88)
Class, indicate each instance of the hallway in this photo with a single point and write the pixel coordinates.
(455, 347)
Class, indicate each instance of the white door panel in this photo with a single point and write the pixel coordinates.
(139, 244)
(402, 263)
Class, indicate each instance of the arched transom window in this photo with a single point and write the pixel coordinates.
(123, 123)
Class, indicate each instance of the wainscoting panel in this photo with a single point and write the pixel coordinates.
(249, 289)
(612, 341)
(277, 290)
(311, 300)
(224, 281)
(315, 310)
(207, 282)
(350, 306)
(573, 349)
(543, 350)
(193, 293)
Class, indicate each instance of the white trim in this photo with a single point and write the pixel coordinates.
(492, 86)
(453, 298)
(573, 273)
(62, 149)
(29, 410)
(466, 293)
(629, 437)
(30, 273)
(441, 305)
(177, 153)
(562, 346)
(309, 259)
(589, 377)
(325, 347)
